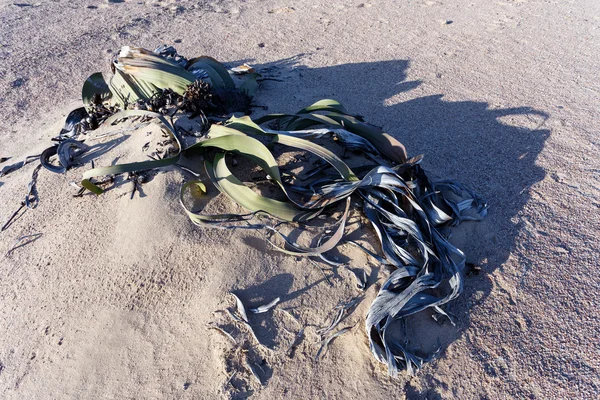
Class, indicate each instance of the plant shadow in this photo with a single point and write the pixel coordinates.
(278, 286)
(491, 149)
(98, 149)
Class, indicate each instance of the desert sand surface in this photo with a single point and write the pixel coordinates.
(112, 301)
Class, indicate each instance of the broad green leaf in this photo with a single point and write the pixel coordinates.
(246, 146)
(94, 84)
(122, 168)
(153, 70)
(270, 117)
(222, 130)
(247, 198)
(217, 73)
(123, 89)
(334, 115)
(303, 121)
(383, 142)
(320, 151)
(161, 75)
(244, 124)
(207, 219)
(324, 105)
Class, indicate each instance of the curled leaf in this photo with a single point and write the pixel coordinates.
(266, 307)
(240, 307)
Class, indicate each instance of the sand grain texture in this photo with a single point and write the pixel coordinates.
(113, 300)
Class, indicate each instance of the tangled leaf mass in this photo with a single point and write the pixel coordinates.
(409, 213)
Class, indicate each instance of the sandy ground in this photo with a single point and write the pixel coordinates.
(113, 300)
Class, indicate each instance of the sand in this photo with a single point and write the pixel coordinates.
(113, 300)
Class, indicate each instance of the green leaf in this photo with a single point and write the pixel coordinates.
(94, 84)
(334, 115)
(217, 73)
(250, 85)
(122, 168)
(324, 105)
(153, 70)
(221, 130)
(123, 89)
(247, 198)
(245, 146)
(320, 151)
(246, 125)
(131, 167)
(383, 142)
(208, 219)
(325, 247)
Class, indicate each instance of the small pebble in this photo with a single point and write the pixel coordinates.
(17, 83)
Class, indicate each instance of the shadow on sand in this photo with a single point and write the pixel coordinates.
(491, 149)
